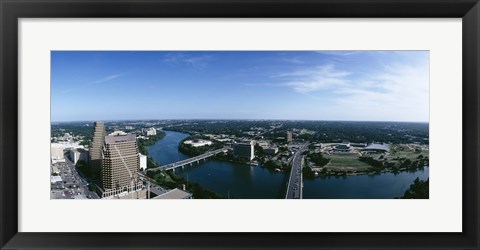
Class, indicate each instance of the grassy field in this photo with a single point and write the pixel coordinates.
(405, 152)
(346, 163)
(350, 162)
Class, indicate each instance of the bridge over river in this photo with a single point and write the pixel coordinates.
(189, 161)
(295, 182)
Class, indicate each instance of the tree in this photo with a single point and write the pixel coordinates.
(418, 190)
(308, 173)
(318, 159)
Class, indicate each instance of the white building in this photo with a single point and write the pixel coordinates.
(78, 154)
(263, 144)
(55, 179)
(149, 131)
(56, 151)
(69, 145)
(143, 161)
(198, 143)
(224, 139)
(118, 132)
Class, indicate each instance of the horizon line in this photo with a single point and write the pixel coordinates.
(232, 119)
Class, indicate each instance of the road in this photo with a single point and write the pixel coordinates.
(295, 182)
(80, 181)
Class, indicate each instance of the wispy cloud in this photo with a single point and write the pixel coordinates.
(313, 79)
(100, 80)
(397, 91)
(107, 78)
(295, 60)
(339, 52)
(392, 92)
(200, 61)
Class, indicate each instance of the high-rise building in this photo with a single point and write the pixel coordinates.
(120, 164)
(78, 154)
(98, 140)
(244, 150)
(289, 136)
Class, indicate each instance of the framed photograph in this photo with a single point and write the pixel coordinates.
(233, 124)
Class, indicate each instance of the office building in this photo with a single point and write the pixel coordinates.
(271, 151)
(263, 144)
(78, 154)
(56, 152)
(149, 131)
(120, 165)
(96, 146)
(289, 136)
(244, 150)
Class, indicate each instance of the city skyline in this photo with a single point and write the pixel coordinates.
(240, 85)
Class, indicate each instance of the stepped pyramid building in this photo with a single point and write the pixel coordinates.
(116, 159)
(96, 147)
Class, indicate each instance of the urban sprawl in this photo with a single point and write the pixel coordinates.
(110, 160)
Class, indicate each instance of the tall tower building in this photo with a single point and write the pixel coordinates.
(244, 150)
(96, 147)
(289, 136)
(120, 164)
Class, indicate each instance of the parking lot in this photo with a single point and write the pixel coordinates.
(71, 185)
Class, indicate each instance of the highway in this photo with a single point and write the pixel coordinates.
(295, 182)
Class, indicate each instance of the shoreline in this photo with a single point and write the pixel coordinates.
(376, 173)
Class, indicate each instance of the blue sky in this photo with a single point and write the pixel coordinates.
(293, 85)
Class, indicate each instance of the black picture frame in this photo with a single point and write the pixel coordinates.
(11, 11)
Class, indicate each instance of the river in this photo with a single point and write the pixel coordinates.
(255, 182)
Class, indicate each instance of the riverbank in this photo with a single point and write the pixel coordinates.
(143, 145)
(353, 165)
(315, 173)
(191, 151)
(165, 151)
(170, 180)
(244, 181)
(227, 179)
(386, 185)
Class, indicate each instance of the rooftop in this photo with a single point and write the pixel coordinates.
(377, 146)
(174, 194)
(245, 143)
(119, 138)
